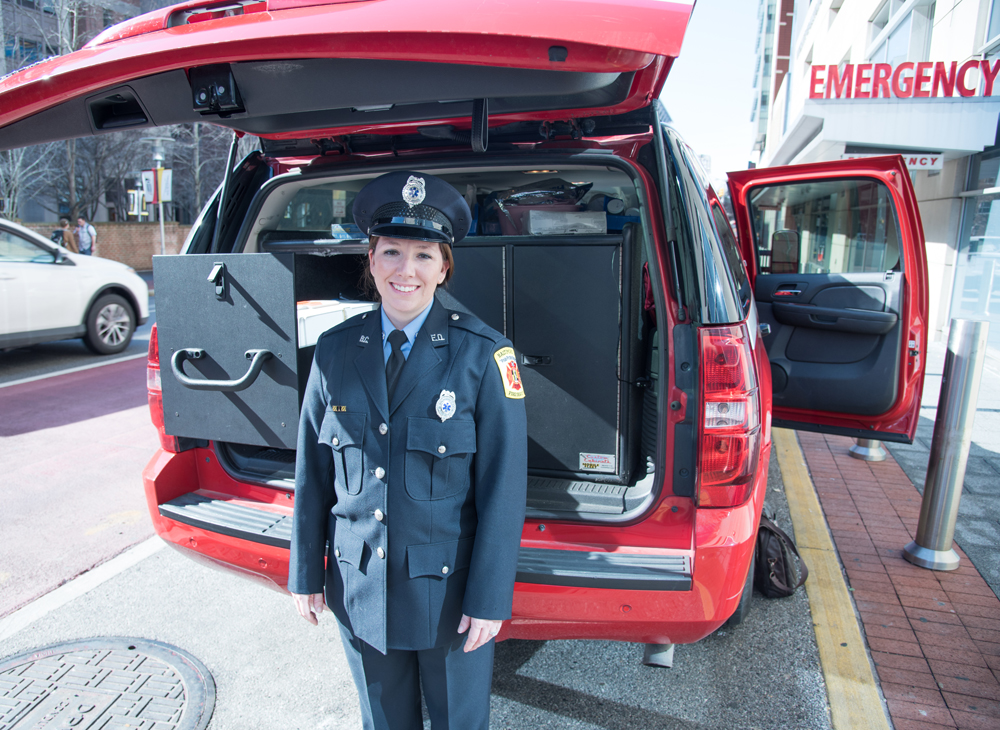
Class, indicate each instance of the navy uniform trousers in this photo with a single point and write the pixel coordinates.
(417, 507)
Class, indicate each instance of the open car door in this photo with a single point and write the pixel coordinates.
(835, 251)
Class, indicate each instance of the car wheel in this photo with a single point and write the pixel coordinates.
(743, 608)
(110, 324)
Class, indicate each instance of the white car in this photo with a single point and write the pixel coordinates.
(48, 293)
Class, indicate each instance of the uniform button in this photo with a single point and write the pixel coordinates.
(379, 473)
(381, 553)
(379, 515)
(445, 570)
(337, 552)
(336, 441)
(383, 429)
(441, 449)
(454, 316)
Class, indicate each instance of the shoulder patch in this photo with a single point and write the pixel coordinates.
(509, 374)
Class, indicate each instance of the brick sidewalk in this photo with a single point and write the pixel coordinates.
(934, 636)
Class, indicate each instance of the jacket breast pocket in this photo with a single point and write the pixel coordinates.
(438, 457)
(345, 434)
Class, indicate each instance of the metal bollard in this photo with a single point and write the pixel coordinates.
(867, 450)
(963, 369)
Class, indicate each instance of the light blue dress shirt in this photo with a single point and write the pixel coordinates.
(409, 330)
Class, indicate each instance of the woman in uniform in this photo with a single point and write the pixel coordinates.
(411, 473)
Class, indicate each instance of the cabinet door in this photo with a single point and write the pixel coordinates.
(567, 310)
(248, 305)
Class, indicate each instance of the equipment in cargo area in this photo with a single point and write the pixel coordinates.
(563, 302)
(217, 308)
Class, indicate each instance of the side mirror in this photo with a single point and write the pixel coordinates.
(785, 252)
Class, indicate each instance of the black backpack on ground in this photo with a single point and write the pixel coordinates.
(776, 573)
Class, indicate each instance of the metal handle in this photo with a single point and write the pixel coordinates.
(256, 358)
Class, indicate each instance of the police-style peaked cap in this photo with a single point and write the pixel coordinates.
(412, 205)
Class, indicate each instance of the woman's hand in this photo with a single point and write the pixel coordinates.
(309, 606)
(480, 630)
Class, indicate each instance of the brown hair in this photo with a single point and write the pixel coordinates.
(368, 281)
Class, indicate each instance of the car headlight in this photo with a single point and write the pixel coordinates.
(131, 270)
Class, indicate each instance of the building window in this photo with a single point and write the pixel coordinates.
(904, 37)
(976, 292)
(993, 26)
(880, 19)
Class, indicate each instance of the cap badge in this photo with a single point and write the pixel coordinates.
(414, 191)
(445, 407)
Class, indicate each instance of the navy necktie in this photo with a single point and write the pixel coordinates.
(394, 365)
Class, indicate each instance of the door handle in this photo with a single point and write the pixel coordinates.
(256, 358)
(536, 359)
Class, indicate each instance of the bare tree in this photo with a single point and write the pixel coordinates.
(198, 160)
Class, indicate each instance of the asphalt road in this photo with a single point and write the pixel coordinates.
(75, 445)
(53, 357)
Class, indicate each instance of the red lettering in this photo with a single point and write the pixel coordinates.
(935, 159)
(880, 84)
(902, 86)
(960, 80)
(861, 79)
(923, 162)
(814, 79)
(943, 81)
(912, 162)
(989, 76)
(837, 84)
(921, 77)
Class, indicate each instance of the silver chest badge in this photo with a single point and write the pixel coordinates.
(445, 407)
(414, 191)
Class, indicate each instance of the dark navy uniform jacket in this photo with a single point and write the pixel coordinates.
(423, 516)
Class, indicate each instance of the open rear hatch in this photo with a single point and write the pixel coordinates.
(279, 70)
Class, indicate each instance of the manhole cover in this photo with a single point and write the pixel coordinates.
(107, 683)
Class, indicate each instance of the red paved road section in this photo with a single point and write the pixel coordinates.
(72, 449)
(934, 636)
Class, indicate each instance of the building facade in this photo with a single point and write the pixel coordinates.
(914, 77)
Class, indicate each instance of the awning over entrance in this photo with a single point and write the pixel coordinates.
(953, 127)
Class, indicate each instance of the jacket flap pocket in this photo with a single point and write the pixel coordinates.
(342, 429)
(430, 435)
(439, 559)
(348, 547)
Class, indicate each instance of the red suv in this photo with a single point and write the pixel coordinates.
(657, 348)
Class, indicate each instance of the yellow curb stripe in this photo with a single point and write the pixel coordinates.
(851, 687)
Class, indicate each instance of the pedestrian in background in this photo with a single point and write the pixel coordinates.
(68, 241)
(411, 474)
(87, 235)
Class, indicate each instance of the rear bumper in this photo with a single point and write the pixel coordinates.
(638, 595)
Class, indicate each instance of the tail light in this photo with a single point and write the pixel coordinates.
(730, 433)
(155, 390)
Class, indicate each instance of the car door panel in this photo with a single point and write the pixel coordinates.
(833, 344)
(836, 255)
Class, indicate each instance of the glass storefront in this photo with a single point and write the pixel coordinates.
(976, 294)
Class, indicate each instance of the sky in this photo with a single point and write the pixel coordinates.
(709, 90)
